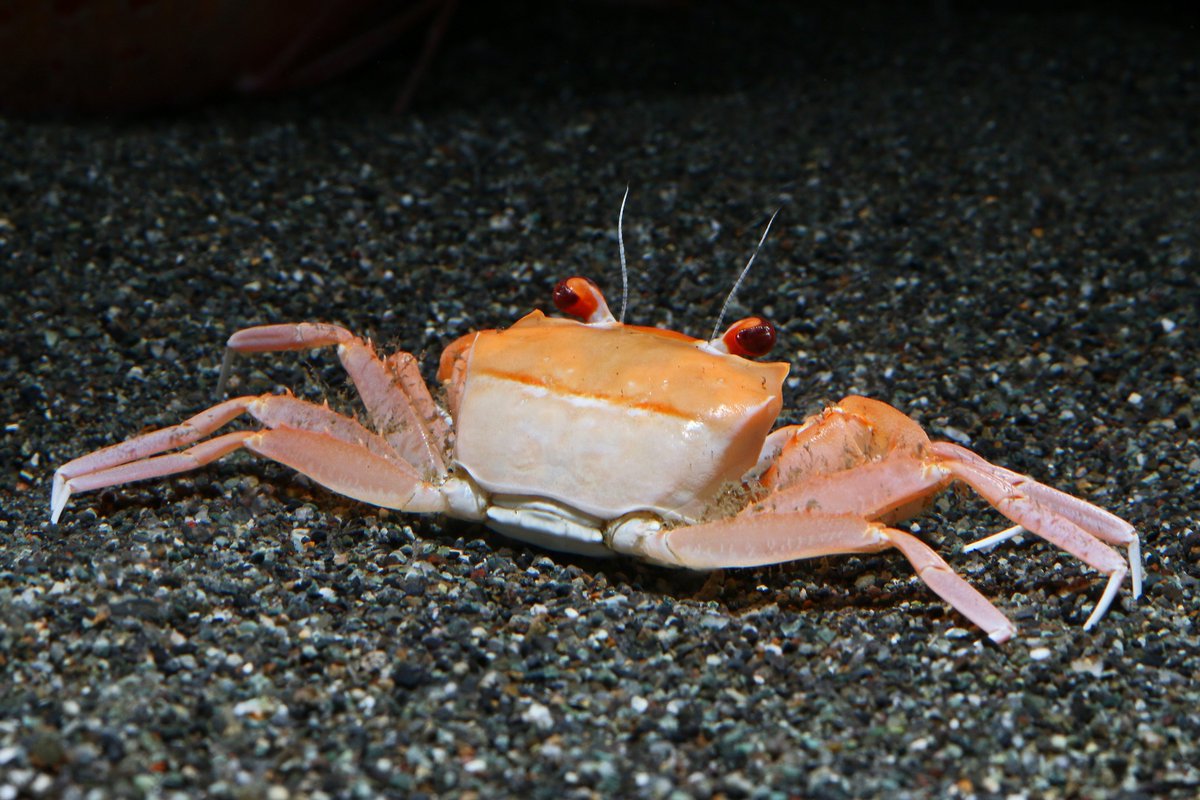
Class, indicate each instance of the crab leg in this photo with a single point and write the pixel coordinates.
(856, 431)
(866, 458)
(990, 541)
(878, 489)
(826, 443)
(751, 540)
(874, 489)
(333, 450)
(1043, 511)
(1095, 520)
(452, 370)
(397, 399)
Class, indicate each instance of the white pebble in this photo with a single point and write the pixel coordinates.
(955, 435)
(539, 716)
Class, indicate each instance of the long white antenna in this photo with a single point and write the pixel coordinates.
(621, 245)
(742, 277)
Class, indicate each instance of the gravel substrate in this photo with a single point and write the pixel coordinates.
(989, 221)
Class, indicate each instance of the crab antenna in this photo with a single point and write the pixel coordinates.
(621, 246)
(741, 277)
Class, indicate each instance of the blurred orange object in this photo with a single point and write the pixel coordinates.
(126, 55)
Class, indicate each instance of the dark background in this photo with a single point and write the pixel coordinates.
(987, 218)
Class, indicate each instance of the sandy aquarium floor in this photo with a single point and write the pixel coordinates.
(989, 221)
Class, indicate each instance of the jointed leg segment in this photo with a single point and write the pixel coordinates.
(832, 481)
(758, 539)
(398, 403)
(333, 450)
(1081, 529)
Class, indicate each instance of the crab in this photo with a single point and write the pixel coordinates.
(587, 435)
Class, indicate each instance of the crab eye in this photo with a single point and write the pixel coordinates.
(750, 337)
(577, 296)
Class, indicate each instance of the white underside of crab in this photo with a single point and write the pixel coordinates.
(600, 438)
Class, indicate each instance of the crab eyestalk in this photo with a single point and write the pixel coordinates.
(751, 337)
(581, 297)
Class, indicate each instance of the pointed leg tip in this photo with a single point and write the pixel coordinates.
(1110, 592)
(56, 509)
(1093, 618)
(988, 542)
(1002, 635)
(226, 367)
(60, 492)
(1135, 564)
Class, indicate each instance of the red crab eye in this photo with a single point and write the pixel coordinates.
(577, 296)
(750, 337)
